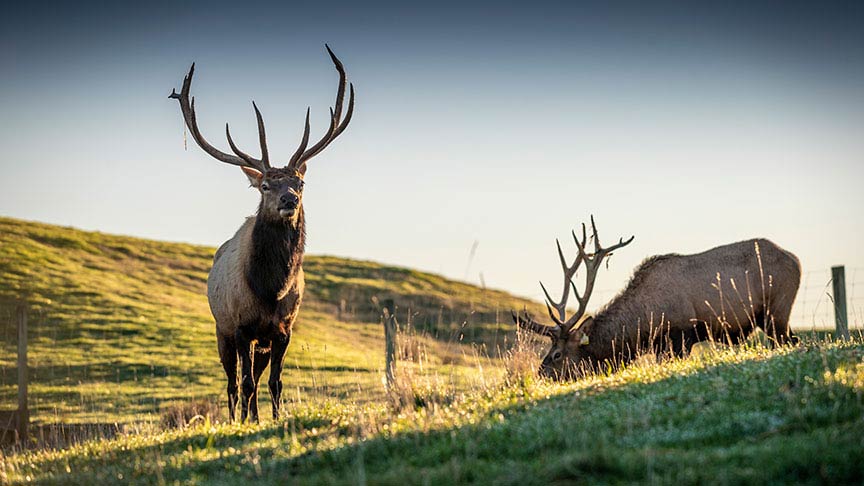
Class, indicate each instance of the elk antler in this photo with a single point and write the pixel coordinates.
(592, 262)
(187, 106)
(337, 126)
(525, 321)
(242, 159)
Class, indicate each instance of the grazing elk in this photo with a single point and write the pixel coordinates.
(256, 284)
(671, 302)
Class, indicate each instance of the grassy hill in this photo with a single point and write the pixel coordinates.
(122, 334)
(120, 326)
(736, 416)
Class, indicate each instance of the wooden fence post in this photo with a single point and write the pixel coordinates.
(23, 411)
(838, 278)
(390, 339)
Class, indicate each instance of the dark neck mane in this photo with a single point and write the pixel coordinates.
(276, 256)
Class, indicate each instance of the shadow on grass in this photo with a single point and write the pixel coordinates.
(56, 375)
(341, 369)
(781, 419)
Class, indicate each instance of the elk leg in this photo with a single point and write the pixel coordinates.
(701, 332)
(676, 343)
(228, 357)
(658, 346)
(736, 333)
(688, 339)
(259, 363)
(246, 350)
(277, 357)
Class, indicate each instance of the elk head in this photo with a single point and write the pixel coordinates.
(568, 355)
(281, 189)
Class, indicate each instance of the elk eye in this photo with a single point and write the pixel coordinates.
(265, 187)
(556, 356)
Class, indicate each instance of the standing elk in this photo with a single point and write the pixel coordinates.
(256, 284)
(671, 302)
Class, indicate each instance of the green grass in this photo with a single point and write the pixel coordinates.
(120, 327)
(122, 331)
(745, 415)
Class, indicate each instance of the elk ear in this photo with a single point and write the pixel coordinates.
(254, 176)
(302, 169)
(582, 330)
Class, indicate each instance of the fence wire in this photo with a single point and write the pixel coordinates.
(90, 391)
(814, 307)
(89, 396)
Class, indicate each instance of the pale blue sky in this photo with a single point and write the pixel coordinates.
(686, 126)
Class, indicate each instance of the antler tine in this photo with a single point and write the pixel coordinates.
(340, 93)
(262, 138)
(336, 127)
(580, 246)
(550, 304)
(599, 251)
(621, 243)
(243, 155)
(561, 255)
(331, 135)
(552, 315)
(303, 142)
(187, 107)
(545, 292)
(308, 154)
(575, 292)
(529, 324)
(348, 114)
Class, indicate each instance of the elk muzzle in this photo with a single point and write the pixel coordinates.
(288, 203)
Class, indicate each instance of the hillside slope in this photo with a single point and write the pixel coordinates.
(121, 330)
(120, 325)
(748, 415)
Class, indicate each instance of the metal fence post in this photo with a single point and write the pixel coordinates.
(838, 279)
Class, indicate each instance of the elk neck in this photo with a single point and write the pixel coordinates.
(276, 256)
(612, 325)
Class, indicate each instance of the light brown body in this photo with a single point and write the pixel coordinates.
(672, 302)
